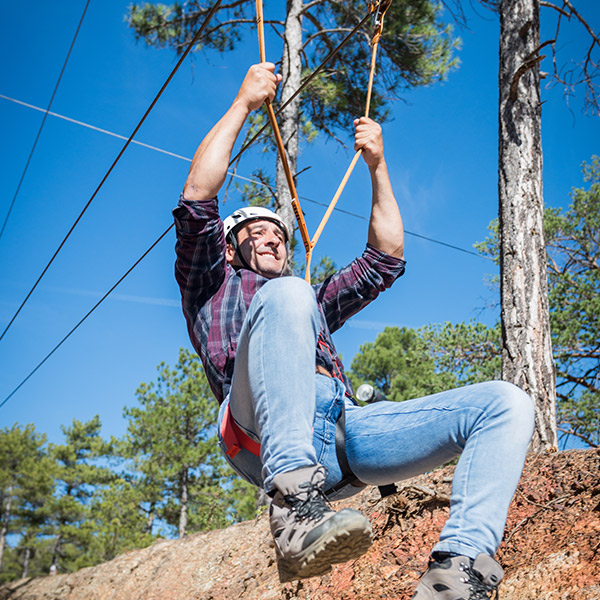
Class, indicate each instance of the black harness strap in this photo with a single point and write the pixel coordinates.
(348, 476)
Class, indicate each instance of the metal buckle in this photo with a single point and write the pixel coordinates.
(378, 8)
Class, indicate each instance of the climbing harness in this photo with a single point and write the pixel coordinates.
(377, 8)
(235, 438)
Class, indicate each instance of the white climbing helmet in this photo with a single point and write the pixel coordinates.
(253, 213)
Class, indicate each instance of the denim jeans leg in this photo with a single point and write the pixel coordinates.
(272, 396)
(489, 425)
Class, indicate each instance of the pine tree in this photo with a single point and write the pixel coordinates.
(26, 480)
(172, 441)
(79, 476)
(399, 366)
(416, 49)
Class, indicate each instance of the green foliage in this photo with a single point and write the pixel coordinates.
(471, 351)
(399, 365)
(573, 260)
(119, 523)
(416, 49)
(490, 247)
(174, 25)
(26, 483)
(406, 363)
(172, 442)
(79, 475)
(573, 247)
(85, 501)
(258, 192)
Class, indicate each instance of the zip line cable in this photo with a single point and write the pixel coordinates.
(46, 112)
(66, 337)
(138, 126)
(94, 128)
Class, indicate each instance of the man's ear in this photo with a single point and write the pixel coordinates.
(229, 253)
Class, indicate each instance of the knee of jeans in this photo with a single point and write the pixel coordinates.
(516, 405)
(290, 294)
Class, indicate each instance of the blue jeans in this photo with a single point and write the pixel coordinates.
(277, 398)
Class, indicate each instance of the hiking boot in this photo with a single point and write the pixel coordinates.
(460, 578)
(309, 536)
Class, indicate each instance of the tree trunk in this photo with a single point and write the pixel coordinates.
(4, 527)
(184, 503)
(289, 119)
(26, 559)
(527, 348)
(150, 519)
(55, 554)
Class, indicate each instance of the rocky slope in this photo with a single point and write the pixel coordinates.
(551, 549)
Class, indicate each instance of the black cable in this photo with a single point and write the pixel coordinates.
(156, 149)
(406, 231)
(37, 137)
(137, 262)
(162, 89)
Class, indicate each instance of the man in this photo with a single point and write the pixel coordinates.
(264, 339)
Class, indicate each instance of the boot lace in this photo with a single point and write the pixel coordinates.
(311, 503)
(479, 589)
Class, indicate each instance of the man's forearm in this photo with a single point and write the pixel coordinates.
(209, 165)
(386, 232)
(385, 225)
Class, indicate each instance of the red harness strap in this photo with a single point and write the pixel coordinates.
(235, 438)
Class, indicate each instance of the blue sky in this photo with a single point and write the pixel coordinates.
(441, 146)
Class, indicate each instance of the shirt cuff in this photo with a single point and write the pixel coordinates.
(388, 266)
(188, 213)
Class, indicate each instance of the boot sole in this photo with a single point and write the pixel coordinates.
(336, 546)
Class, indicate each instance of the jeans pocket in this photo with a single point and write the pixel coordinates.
(329, 402)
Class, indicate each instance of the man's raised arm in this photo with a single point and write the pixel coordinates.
(386, 232)
(209, 165)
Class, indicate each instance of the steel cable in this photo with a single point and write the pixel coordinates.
(37, 137)
(125, 146)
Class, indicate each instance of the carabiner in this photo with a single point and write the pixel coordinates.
(378, 8)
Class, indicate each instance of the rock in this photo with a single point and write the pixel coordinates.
(551, 549)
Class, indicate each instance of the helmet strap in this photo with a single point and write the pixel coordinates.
(238, 253)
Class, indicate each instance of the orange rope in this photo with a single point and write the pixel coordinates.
(380, 8)
(279, 140)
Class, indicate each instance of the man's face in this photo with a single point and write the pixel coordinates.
(262, 244)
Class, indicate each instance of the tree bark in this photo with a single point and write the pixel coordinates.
(184, 503)
(55, 555)
(289, 118)
(4, 527)
(26, 560)
(150, 519)
(527, 347)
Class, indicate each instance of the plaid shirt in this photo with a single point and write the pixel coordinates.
(216, 297)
